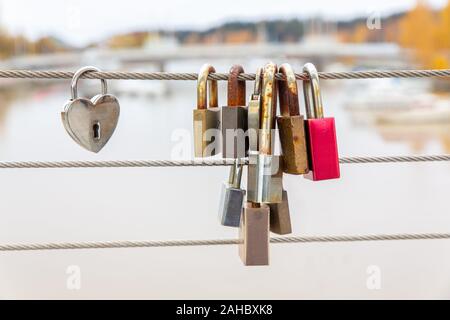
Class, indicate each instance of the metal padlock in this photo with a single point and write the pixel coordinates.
(254, 113)
(232, 197)
(234, 117)
(264, 183)
(206, 120)
(90, 122)
(320, 132)
(280, 218)
(254, 235)
(291, 125)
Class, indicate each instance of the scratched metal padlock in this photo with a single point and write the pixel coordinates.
(206, 120)
(234, 117)
(280, 217)
(232, 197)
(90, 122)
(254, 234)
(320, 131)
(291, 125)
(254, 113)
(264, 183)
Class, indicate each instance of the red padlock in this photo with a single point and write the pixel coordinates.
(320, 132)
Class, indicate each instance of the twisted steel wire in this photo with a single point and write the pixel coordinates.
(116, 75)
(216, 242)
(196, 163)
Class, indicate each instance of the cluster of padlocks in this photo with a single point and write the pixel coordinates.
(308, 147)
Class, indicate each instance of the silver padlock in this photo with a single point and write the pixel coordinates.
(232, 197)
(90, 122)
(264, 184)
(265, 179)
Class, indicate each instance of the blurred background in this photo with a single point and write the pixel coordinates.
(374, 117)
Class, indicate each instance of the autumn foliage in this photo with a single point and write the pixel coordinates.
(428, 33)
(424, 30)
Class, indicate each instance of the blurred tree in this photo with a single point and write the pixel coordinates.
(131, 40)
(360, 33)
(241, 36)
(443, 32)
(7, 45)
(47, 45)
(418, 31)
(428, 33)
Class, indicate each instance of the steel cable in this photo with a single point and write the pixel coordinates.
(216, 242)
(121, 75)
(197, 163)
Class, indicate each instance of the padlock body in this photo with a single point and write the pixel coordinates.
(264, 183)
(253, 116)
(293, 144)
(206, 126)
(234, 129)
(322, 149)
(254, 234)
(280, 217)
(231, 203)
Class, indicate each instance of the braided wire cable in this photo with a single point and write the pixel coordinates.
(116, 75)
(217, 242)
(197, 163)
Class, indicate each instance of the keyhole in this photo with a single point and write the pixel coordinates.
(96, 130)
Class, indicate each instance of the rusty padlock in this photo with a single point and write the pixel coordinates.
(280, 217)
(206, 120)
(264, 183)
(254, 235)
(291, 125)
(320, 132)
(234, 117)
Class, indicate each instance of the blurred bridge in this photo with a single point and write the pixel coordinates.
(319, 52)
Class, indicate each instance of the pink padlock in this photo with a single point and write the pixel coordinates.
(320, 132)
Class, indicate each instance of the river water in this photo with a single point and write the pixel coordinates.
(44, 205)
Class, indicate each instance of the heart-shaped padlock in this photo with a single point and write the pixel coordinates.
(90, 122)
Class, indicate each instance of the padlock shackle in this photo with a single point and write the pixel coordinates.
(202, 86)
(236, 88)
(268, 108)
(77, 75)
(235, 177)
(288, 92)
(311, 91)
(258, 83)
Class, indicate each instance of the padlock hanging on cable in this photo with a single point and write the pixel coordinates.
(234, 117)
(291, 125)
(264, 183)
(90, 122)
(206, 119)
(232, 197)
(320, 132)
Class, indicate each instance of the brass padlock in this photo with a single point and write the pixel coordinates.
(206, 120)
(291, 125)
(234, 117)
(264, 183)
(232, 197)
(254, 235)
(280, 218)
(254, 113)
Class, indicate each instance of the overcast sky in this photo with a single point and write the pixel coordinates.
(82, 21)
